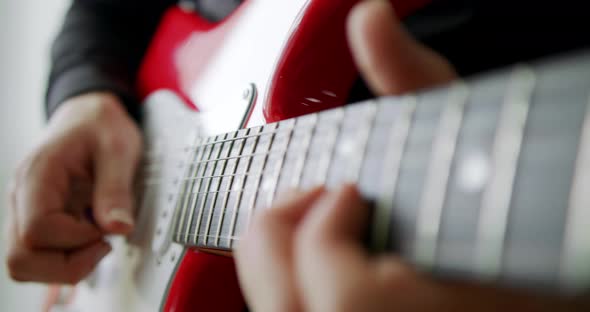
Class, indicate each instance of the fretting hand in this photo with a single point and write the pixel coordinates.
(306, 254)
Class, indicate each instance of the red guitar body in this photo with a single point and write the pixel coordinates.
(314, 71)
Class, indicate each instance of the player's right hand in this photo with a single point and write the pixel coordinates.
(73, 188)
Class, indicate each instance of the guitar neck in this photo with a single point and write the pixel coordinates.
(483, 179)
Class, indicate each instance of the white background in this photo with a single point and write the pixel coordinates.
(26, 30)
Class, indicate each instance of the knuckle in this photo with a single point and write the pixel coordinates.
(124, 142)
(29, 235)
(106, 107)
(119, 132)
(115, 143)
(14, 266)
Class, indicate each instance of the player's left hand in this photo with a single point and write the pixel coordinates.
(306, 254)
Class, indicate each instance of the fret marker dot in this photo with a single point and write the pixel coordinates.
(474, 172)
(268, 185)
(346, 148)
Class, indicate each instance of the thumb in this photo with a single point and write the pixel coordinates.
(390, 60)
(115, 164)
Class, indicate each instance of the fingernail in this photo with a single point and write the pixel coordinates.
(121, 216)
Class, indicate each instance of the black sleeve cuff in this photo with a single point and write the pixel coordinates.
(87, 78)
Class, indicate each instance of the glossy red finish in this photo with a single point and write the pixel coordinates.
(181, 47)
(316, 71)
(205, 282)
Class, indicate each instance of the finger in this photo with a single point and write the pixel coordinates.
(264, 256)
(37, 205)
(335, 224)
(60, 231)
(329, 255)
(390, 60)
(114, 166)
(55, 266)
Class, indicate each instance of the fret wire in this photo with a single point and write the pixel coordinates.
(194, 196)
(273, 192)
(182, 197)
(240, 194)
(366, 134)
(325, 158)
(394, 154)
(176, 223)
(301, 161)
(231, 187)
(189, 198)
(214, 200)
(208, 187)
(225, 198)
(257, 182)
(575, 255)
(497, 196)
(439, 169)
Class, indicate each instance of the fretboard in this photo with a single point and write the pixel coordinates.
(483, 179)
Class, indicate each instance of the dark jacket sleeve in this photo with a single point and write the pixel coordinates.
(100, 47)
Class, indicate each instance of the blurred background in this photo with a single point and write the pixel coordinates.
(26, 30)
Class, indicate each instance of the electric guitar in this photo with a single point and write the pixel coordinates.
(483, 180)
